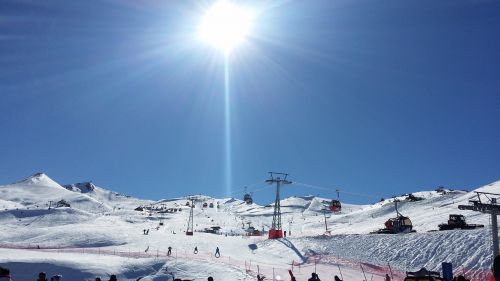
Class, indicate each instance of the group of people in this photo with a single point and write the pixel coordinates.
(217, 251)
(42, 276)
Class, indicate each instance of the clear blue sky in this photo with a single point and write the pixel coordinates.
(373, 97)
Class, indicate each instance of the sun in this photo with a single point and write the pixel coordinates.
(225, 25)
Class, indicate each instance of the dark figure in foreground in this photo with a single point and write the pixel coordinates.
(113, 278)
(314, 277)
(260, 278)
(210, 278)
(56, 278)
(496, 268)
(4, 274)
(42, 276)
(338, 279)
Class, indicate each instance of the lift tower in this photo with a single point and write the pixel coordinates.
(276, 231)
(190, 228)
(486, 203)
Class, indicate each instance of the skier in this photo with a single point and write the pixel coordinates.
(217, 252)
(42, 276)
(260, 278)
(147, 232)
(169, 251)
(210, 278)
(113, 278)
(337, 278)
(195, 250)
(387, 278)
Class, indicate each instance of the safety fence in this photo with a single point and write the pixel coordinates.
(329, 264)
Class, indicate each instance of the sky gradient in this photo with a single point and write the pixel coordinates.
(371, 97)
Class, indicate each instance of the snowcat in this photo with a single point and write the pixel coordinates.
(399, 224)
(458, 221)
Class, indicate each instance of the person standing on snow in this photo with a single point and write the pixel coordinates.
(387, 278)
(217, 252)
(337, 278)
(169, 251)
(195, 250)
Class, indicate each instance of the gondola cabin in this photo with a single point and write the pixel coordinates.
(335, 206)
(248, 198)
(205, 205)
(211, 205)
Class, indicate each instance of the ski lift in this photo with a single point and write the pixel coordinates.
(335, 205)
(247, 197)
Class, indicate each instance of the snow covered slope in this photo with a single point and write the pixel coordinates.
(113, 224)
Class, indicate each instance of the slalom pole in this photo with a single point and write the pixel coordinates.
(363, 271)
(390, 270)
(341, 276)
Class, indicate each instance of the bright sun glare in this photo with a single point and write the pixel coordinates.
(225, 25)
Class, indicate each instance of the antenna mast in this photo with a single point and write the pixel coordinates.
(276, 230)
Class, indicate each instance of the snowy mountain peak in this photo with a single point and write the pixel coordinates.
(83, 187)
(40, 179)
